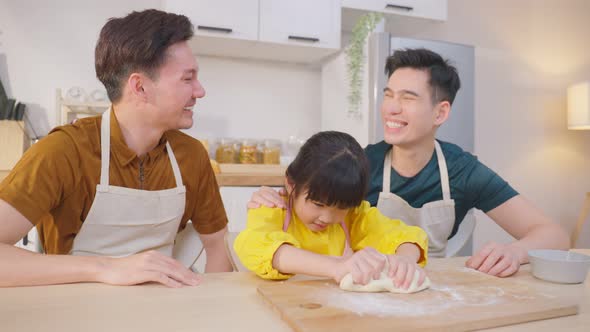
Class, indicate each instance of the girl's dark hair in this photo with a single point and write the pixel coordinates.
(332, 167)
(444, 79)
(136, 42)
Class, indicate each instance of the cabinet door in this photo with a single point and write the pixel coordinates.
(219, 18)
(301, 22)
(431, 9)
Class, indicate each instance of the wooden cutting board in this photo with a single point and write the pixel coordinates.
(459, 299)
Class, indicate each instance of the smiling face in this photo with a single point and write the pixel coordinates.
(315, 215)
(172, 95)
(408, 113)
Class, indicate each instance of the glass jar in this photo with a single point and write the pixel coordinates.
(271, 152)
(225, 153)
(248, 152)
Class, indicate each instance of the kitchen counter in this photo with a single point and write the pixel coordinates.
(224, 302)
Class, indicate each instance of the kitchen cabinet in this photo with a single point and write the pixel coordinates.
(235, 199)
(304, 22)
(303, 31)
(429, 9)
(235, 19)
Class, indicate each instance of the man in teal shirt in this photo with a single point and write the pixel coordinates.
(472, 184)
(433, 184)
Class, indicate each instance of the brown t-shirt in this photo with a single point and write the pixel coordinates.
(54, 183)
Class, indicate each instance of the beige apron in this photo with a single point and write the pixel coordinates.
(436, 218)
(124, 221)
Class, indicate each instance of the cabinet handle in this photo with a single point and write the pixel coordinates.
(301, 38)
(216, 29)
(392, 6)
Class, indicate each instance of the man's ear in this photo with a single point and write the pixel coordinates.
(442, 112)
(136, 84)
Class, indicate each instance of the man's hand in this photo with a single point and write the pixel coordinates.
(150, 266)
(268, 197)
(363, 265)
(501, 260)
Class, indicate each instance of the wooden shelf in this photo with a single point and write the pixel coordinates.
(249, 180)
(251, 175)
(68, 110)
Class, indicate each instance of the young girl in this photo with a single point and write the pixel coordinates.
(327, 229)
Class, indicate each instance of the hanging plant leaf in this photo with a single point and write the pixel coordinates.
(355, 59)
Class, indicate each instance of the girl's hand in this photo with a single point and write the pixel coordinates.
(363, 265)
(402, 269)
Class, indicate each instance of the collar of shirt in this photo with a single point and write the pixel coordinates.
(124, 153)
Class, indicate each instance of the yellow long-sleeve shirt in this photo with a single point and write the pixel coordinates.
(256, 245)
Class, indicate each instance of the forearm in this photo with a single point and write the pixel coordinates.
(217, 260)
(216, 251)
(19, 267)
(409, 249)
(291, 260)
(545, 236)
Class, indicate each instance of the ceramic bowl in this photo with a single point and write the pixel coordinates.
(559, 266)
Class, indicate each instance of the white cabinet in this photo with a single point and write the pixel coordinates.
(220, 18)
(430, 9)
(304, 31)
(303, 22)
(235, 200)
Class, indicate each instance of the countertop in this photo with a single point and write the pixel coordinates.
(224, 302)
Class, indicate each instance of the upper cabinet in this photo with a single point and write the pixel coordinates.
(301, 22)
(220, 18)
(430, 9)
(303, 31)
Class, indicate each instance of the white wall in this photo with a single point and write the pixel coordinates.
(46, 45)
(527, 53)
(257, 99)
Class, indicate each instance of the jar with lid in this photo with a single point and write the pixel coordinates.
(248, 151)
(271, 152)
(225, 153)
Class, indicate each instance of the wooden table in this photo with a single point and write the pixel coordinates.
(224, 302)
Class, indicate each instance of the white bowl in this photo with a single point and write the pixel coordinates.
(559, 266)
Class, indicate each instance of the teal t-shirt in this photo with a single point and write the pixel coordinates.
(473, 185)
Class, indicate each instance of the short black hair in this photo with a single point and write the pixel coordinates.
(444, 79)
(136, 42)
(333, 168)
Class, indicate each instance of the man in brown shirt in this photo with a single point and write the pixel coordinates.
(109, 194)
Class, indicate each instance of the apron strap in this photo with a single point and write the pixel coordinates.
(444, 174)
(387, 172)
(442, 167)
(174, 163)
(105, 148)
(347, 248)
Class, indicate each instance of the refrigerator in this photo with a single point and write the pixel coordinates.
(366, 125)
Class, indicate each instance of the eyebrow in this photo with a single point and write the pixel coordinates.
(191, 71)
(410, 92)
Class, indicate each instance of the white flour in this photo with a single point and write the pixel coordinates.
(439, 298)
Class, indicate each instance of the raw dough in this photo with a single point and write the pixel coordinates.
(384, 283)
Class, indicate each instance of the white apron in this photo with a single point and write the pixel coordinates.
(436, 218)
(124, 221)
